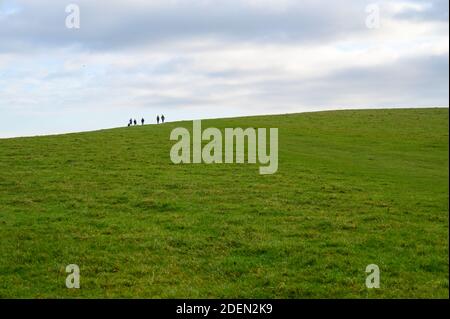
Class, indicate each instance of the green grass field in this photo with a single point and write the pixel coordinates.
(353, 188)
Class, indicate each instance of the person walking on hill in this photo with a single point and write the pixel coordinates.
(142, 121)
(162, 118)
(135, 122)
(157, 119)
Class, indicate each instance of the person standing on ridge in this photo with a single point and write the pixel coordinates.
(162, 118)
(157, 119)
(142, 121)
(135, 122)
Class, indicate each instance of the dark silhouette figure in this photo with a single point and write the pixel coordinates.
(157, 119)
(135, 122)
(142, 121)
(130, 122)
(162, 118)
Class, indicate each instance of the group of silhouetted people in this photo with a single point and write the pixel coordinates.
(131, 122)
(134, 122)
(162, 119)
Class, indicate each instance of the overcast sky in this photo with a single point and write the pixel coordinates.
(190, 59)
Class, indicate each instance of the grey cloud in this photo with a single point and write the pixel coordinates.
(108, 25)
(411, 82)
(420, 81)
(113, 25)
(436, 10)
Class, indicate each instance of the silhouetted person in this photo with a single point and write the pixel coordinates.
(130, 122)
(162, 118)
(135, 122)
(157, 119)
(142, 121)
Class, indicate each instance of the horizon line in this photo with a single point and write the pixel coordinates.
(226, 117)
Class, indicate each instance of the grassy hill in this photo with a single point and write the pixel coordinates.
(353, 188)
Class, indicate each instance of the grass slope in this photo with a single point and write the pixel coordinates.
(353, 188)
